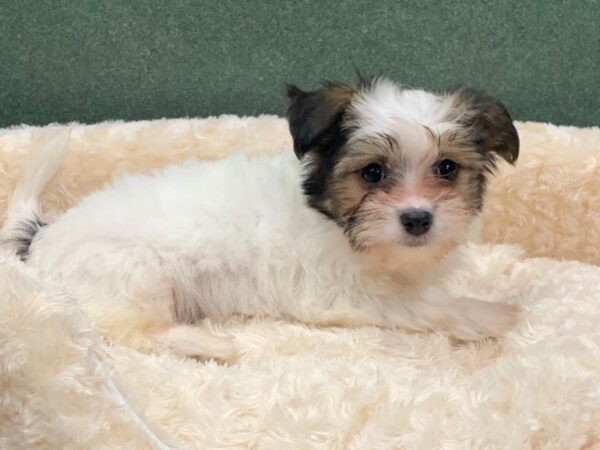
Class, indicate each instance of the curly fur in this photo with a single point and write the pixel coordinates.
(299, 386)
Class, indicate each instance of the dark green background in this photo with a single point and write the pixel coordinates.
(90, 60)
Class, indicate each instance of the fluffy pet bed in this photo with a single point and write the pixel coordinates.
(301, 387)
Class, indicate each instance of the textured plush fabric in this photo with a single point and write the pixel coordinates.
(91, 60)
(299, 387)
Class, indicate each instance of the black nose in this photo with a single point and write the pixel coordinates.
(416, 221)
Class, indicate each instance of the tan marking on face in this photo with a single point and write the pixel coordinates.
(409, 172)
(408, 153)
(400, 142)
(349, 191)
(361, 156)
(456, 146)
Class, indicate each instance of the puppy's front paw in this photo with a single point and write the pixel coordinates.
(479, 320)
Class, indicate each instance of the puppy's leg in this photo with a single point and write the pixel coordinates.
(193, 341)
(149, 331)
(461, 318)
(145, 320)
(430, 310)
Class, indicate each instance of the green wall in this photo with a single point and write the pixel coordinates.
(91, 60)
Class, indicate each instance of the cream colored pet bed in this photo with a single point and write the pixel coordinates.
(297, 387)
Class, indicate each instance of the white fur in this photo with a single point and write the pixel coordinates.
(155, 252)
(379, 108)
(413, 119)
(299, 387)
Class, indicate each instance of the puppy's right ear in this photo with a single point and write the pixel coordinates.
(315, 117)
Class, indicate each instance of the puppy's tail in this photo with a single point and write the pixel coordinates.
(23, 214)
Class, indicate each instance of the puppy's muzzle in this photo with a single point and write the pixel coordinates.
(416, 222)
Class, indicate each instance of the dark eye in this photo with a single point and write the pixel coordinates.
(446, 169)
(373, 173)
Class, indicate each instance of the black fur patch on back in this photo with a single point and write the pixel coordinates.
(23, 235)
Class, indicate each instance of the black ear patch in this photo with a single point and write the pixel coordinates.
(490, 123)
(315, 117)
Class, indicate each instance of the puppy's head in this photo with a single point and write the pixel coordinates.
(396, 167)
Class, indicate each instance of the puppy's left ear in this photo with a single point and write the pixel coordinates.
(315, 117)
(491, 125)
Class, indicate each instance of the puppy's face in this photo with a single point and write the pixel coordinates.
(400, 168)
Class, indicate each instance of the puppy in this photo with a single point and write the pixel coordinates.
(349, 231)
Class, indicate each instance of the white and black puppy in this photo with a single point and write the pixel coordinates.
(349, 231)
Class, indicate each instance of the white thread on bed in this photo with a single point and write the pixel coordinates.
(117, 394)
